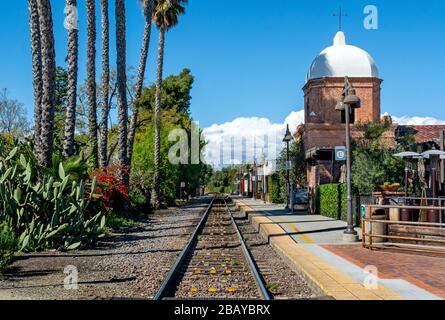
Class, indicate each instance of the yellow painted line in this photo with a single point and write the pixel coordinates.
(331, 281)
(295, 229)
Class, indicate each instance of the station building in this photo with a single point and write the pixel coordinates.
(324, 127)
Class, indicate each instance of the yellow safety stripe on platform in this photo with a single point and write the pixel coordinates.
(295, 229)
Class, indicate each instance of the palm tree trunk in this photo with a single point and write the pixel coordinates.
(156, 196)
(36, 49)
(148, 12)
(105, 83)
(70, 117)
(91, 84)
(49, 82)
(122, 93)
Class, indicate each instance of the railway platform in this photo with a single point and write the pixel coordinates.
(313, 246)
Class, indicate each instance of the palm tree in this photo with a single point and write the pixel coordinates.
(36, 50)
(49, 82)
(148, 13)
(165, 16)
(105, 83)
(122, 91)
(72, 58)
(91, 83)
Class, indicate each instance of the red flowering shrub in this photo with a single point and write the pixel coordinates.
(110, 191)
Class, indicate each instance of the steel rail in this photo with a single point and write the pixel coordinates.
(162, 292)
(252, 266)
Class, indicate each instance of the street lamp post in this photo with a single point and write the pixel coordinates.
(349, 100)
(263, 177)
(288, 138)
(254, 182)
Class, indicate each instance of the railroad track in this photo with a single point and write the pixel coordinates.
(216, 263)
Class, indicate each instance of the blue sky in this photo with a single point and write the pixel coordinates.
(250, 57)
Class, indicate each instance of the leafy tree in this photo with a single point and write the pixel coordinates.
(224, 180)
(298, 172)
(366, 172)
(61, 106)
(12, 116)
(176, 93)
(275, 192)
(175, 115)
(143, 161)
(373, 161)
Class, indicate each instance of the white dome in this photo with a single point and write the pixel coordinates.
(342, 60)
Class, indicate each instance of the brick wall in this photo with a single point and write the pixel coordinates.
(323, 135)
(322, 95)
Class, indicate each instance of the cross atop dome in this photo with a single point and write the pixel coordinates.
(340, 16)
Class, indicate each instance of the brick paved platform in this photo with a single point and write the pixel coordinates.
(312, 246)
(422, 270)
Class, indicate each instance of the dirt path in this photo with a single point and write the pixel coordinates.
(130, 264)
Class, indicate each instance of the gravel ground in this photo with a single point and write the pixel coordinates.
(131, 264)
(282, 282)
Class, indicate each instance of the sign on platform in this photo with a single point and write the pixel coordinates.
(340, 153)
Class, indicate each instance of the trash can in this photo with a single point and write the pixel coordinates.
(394, 214)
(406, 215)
(433, 216)
(378, 229)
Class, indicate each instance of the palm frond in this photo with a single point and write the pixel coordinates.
(166, 13)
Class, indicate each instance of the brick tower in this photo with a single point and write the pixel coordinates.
(324, 127)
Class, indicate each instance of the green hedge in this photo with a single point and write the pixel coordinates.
(331, 201)
(343, 201)
(275, 190)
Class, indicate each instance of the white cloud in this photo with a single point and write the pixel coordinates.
(245, 139)
(412, 121)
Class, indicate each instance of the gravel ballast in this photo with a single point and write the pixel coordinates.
(282, 282)
(131, 264)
